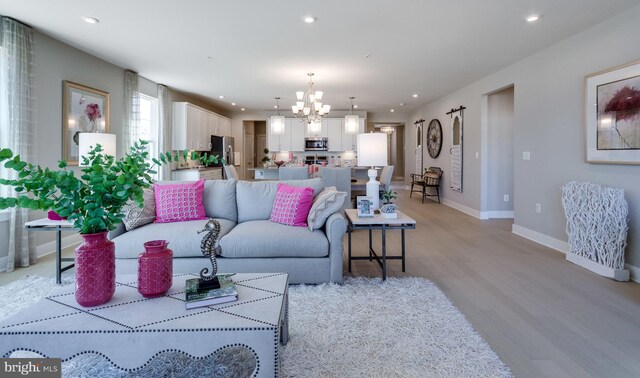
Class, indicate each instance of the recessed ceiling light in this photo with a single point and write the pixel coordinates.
(309, 19)
(415, 95)
(533, 18)
(90, 20)
(402, 104)
(392, 110)
(355, 106)
(242, 109)
(233, 104)
(221, 97)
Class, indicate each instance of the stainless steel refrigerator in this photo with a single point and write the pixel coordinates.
(223, 147)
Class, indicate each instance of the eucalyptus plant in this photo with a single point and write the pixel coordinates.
(92, 202)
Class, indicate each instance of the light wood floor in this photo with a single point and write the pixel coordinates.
(542, 315)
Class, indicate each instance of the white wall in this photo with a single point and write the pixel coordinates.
(548, 122)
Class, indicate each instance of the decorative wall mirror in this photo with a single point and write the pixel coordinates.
(457, 122)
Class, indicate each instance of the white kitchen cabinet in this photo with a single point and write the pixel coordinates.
(335, 132)
(349, 140)
(297, 134)
(193, 127)
(321, 134)
(273, 140)
(224, 126)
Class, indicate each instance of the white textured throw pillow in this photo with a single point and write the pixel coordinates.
(136, 216)
(326, 203)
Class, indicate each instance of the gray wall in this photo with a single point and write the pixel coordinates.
(549, 122)
(500, 150)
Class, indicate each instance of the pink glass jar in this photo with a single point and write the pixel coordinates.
(95, 265)
(155, 269)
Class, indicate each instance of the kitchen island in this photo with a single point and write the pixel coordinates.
(268, 173)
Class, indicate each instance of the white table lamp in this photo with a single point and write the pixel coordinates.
(89, 140)
(372, 152)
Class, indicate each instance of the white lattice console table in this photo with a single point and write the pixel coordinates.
(597, 228)
(130, 330)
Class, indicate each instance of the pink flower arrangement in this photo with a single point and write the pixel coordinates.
(93, 112)
(626, 103)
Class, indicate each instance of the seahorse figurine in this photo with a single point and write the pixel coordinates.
(210, 248)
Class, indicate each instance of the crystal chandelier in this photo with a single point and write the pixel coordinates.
(387, 129)
(309, 105)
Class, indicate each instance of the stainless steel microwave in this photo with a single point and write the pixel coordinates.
(316, 144)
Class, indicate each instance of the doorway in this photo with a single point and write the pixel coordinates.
(500, 154)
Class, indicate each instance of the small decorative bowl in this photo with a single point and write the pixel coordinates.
(279, 163)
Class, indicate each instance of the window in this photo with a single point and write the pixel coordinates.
(149, 124)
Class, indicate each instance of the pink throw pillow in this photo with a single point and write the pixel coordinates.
(292, 205)
(179, 202)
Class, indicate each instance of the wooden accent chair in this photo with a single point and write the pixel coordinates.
(430, 179)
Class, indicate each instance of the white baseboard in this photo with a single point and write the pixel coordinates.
(634, 272)
(563, 246)
(462, 208)
(496, 215)
(546, 240)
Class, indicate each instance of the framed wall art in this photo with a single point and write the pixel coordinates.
(85, 110)
(613, 115)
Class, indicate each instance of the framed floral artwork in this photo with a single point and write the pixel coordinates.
(613, 115)
(85, 110)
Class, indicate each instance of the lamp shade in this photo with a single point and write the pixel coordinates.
(351, 124)
(87, 141)
(372, 149)
(277, 125)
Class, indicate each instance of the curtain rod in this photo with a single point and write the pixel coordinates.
(456, 110)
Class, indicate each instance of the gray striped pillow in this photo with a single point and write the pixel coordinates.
(326, 203)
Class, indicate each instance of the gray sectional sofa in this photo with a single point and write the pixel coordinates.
(250, 242)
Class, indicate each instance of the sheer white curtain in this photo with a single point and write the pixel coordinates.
(131, 110)
(164, 129)
(17, 125)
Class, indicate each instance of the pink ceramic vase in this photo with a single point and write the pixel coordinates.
(155, 269)
(95, 270)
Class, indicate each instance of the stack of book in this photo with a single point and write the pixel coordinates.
(196, 297)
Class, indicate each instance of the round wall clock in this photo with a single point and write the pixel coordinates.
(434, 138)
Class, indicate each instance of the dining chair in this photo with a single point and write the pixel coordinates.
(340, 178)
(230, 172)
(385, 177)
(430, 179)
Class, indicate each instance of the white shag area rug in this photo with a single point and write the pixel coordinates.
(404, 327)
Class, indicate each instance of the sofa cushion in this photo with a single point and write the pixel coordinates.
(136, 216)
(220, 199)
(263, 238)
(255, 198)
(292, 204)
(326, 203)
(183, 237)
(179, 202)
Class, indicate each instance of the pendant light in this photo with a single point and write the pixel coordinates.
(277, 121)
(351, 121)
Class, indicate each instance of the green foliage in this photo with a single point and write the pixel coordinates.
(388, 196)
(92, 202)
(266, 158)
